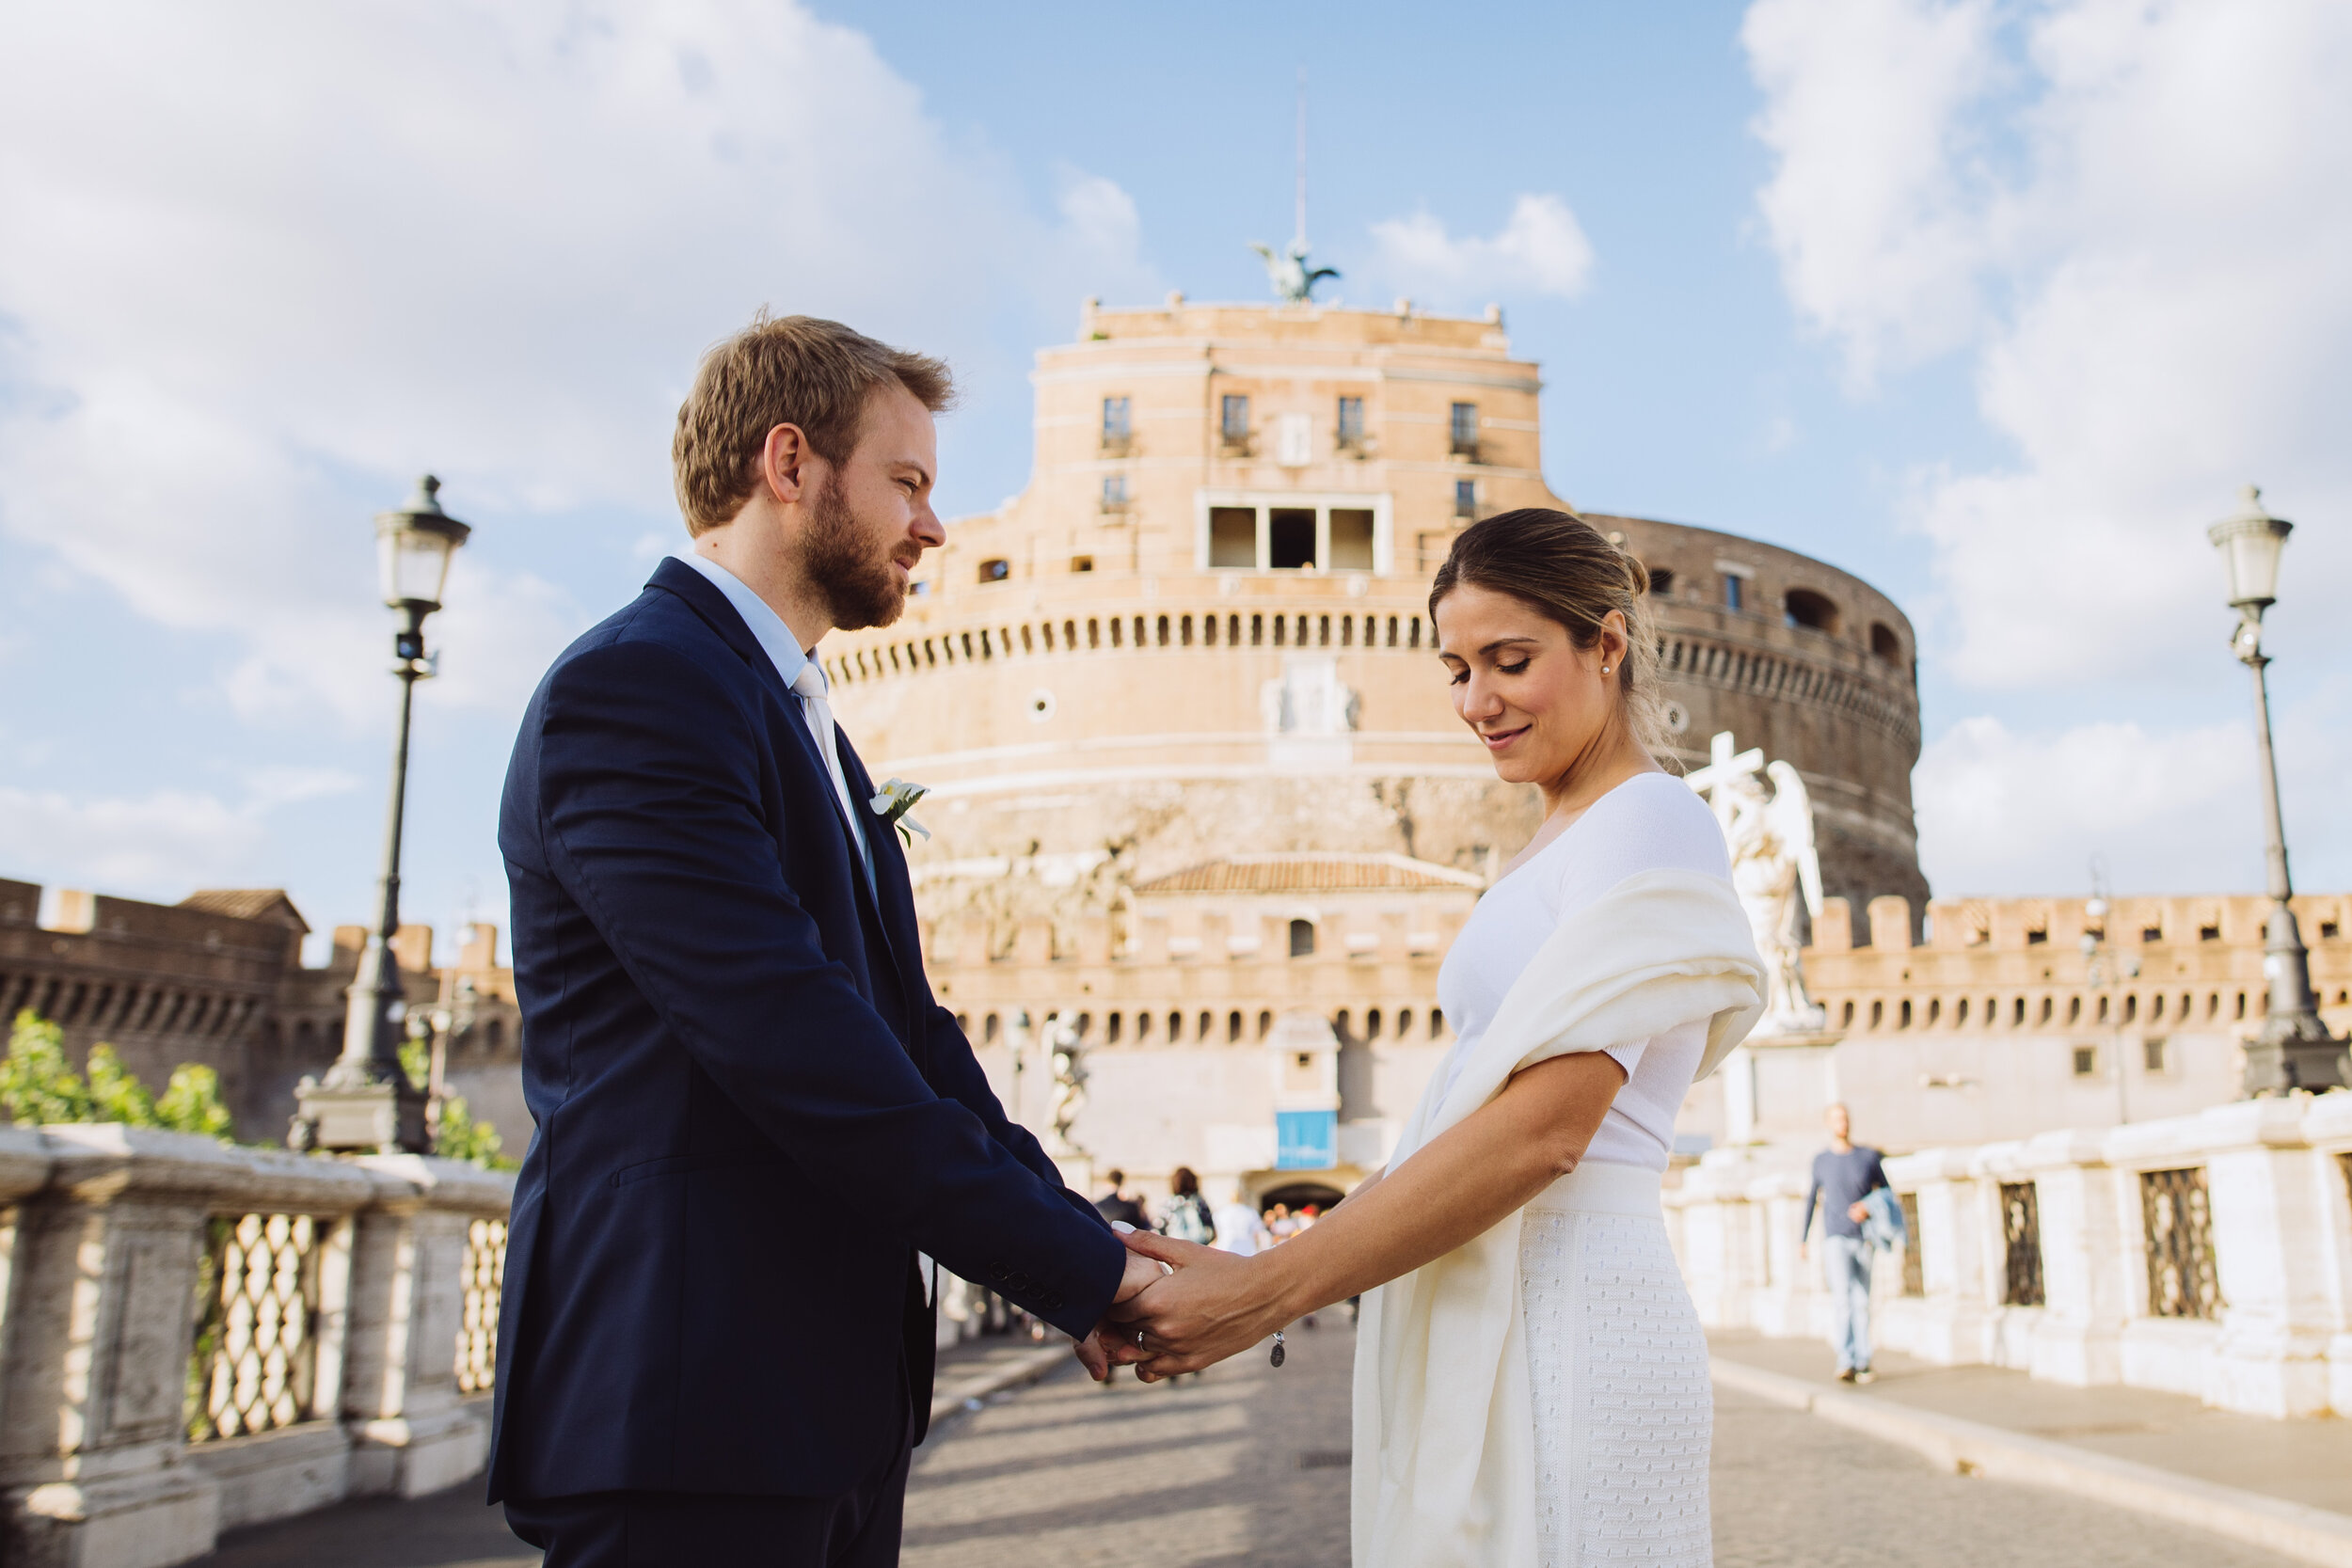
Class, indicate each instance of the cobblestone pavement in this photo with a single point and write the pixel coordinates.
(1245, 1465)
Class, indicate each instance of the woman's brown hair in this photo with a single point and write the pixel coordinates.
(1183, 1183)
(1562, 567)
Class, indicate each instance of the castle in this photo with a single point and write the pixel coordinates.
(1203, 821)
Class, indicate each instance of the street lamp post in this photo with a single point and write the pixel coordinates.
(2294, 1049)
(2103, 975)
(365, 1100)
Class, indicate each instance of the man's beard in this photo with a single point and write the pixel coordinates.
(839, 555)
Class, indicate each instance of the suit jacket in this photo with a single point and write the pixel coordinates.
(751, 1112)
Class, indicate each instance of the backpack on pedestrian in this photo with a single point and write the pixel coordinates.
(1187, 1220)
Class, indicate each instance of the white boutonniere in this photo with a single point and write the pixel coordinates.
(894, 800)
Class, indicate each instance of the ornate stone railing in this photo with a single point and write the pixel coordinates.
(198, 1337)
(2207, 1255)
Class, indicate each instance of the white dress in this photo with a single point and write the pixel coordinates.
(1623, 1408)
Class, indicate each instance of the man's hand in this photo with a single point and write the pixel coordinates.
(1857, 1211)
(1094, 1351)
(1214, 1306)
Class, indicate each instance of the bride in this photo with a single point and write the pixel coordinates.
(1530, 1380)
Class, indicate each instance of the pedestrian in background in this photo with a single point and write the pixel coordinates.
(1186, 1216)
(1844, 1176)
(1121, 1207)
(1240, 1229)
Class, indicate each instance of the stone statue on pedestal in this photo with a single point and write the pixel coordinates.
(1069, 1096)
(1774, 864)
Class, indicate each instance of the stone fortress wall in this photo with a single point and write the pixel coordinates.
(1193, 760)
(1199, 799)
(1994, 1029)
(218, 980)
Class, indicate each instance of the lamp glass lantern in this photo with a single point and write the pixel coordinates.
(2251, 542)
(413, 548)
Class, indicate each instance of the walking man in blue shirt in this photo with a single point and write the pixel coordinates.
(1844, 1176)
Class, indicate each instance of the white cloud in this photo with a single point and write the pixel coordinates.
(1870, 202)
(160, 843)
(267, 264)
(2167, 255)
(2135, 220)
(2002, 811)
(1541, 250)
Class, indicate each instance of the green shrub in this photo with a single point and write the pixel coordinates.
(37, 1086)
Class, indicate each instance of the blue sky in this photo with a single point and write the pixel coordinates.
(1996, 305)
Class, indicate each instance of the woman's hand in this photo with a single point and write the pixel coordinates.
(1215, 1305)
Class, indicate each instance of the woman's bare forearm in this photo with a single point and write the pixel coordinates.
(1461, 1185)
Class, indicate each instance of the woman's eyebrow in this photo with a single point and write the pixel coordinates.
(1506, 642)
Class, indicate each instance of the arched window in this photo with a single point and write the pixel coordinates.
(1436, 1024)
(1208, 1023)
(1661, 582)
(1801, 607)
(1232, 1028)
(1372, 1025)
(987, 1030)
(1302, 939)
(1878, 1014)
(1404, 1022)
(1340, 1023)
(1175, 1027)
(1111, 1037)
(1266, 1022)
(995, 570)
(1884, 643)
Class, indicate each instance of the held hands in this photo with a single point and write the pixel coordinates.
(1215, 1305)
(1094, 1349)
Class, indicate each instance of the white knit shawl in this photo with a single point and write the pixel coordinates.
(1444, 1425)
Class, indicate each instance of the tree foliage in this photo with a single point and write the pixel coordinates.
(39, 1087)
(458, 1136)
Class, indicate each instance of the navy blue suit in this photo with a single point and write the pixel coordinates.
(751, 1112)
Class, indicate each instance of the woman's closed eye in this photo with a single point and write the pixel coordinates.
(1461, 675)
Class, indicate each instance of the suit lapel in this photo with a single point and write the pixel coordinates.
(676, 578)
(893, 887)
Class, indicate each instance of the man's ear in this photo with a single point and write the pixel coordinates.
(782, 461)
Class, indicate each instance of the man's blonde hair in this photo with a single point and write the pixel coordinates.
(792, 369)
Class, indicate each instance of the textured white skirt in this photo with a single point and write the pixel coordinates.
(1624, 1411)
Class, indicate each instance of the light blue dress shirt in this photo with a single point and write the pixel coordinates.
(775, 638)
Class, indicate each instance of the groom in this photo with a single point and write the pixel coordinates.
(716, 1340)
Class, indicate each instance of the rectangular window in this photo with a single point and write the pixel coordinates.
(1351, 539)
(1462, 427)
(2152, 1053)
(1290, 537)
(1233, 536)
(1735, 592)
(1114, 492)
(1233, 416)
(1466, 497)
(2086, 1060)
(1115, 419)
(1351, 423)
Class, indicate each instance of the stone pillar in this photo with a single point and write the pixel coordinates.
(2079, 1338)
(2268, 1211)
(1955, 1324)
(95, 1468)
(411, 1430)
